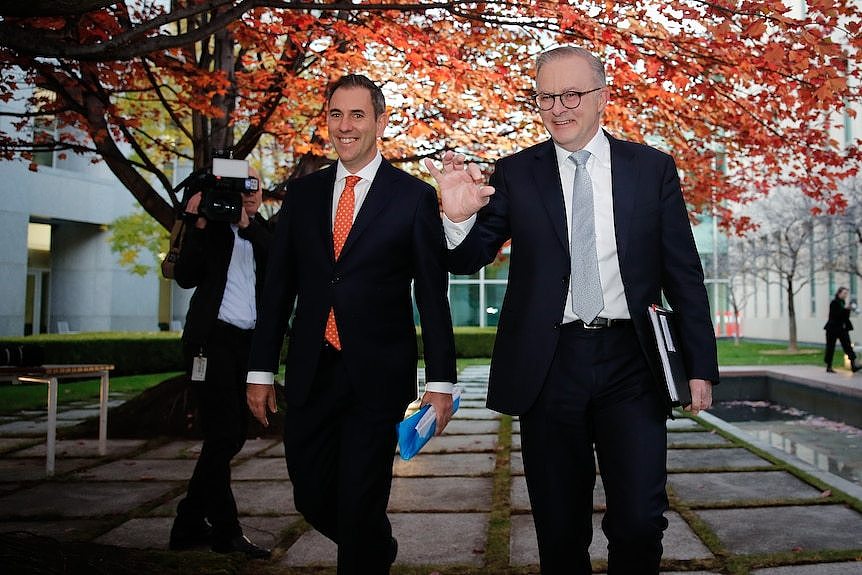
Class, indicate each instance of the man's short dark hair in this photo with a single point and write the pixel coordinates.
(378, 102)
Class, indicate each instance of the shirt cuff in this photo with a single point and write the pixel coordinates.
(440, 387)
(456, 232)
(260, 377)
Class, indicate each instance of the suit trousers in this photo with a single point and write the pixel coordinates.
(843, 336)
(224, 422)
(598, 395)
(339, 447)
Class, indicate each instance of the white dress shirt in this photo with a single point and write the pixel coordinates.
(238, 301)
(599, 168)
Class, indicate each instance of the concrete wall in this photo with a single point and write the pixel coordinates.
(88, 288)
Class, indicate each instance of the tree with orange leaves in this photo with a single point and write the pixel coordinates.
(746, 95)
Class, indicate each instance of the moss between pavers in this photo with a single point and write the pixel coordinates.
(497, 546)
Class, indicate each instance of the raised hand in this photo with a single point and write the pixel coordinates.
(462, 187)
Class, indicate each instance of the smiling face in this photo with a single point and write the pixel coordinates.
(353, 127)
(571, 128)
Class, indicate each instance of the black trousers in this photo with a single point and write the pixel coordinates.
(224, 420)
(843, 336)
(339, 447)
(598, 396)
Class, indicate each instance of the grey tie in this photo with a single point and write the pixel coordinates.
(585, 285)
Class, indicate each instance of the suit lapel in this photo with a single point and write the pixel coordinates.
(378, 196)
(546, 173)
(624, 176)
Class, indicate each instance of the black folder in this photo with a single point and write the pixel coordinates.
(668, 342)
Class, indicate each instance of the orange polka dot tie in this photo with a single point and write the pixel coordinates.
(340, 229)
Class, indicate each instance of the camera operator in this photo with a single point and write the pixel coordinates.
(225, 263)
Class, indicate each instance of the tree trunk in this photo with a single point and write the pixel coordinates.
(793, 343)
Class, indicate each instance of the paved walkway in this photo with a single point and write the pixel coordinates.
(460, 506)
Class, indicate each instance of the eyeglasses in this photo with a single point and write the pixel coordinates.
(569, 99)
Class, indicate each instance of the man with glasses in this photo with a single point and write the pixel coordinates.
(225, 263)
(599, 231)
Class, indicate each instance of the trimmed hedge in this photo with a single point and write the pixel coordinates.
(129, 352)
(156, 352)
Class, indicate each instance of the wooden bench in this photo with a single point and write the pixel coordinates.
(50, 375)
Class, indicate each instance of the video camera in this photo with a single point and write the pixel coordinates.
(221, 188)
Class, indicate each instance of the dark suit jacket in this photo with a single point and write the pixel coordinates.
(656, 253)
(397, 238)
(839, 317)
(203, 263)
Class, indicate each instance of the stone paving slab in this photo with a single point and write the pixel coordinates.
(740, 486)
(140, 470)
(82, 448)
(688, 438)
(679, 541)
(682, 423)
(191, 448)
(24, 427)
(768, 529)
(461, 444)
(276, 451)
(260, 468)
(450, 464)
(472, 426)
(179, 449)
(154, 532)
(8, 445)
(520, 498)
(715, 458)
(78, 414)
(476, 413)
(516, 463)
(60, 529)
(424, 539)
(426, 494)
(82, 499)
(853, 568)
(263, 497)
(33, 468)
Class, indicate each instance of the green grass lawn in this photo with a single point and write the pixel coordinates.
(14, 398)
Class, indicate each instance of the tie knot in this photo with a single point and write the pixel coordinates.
(580, 157)
(351, 182)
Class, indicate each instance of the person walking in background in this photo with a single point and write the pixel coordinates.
(838, 327)
(350, 240)
(599, 230)
(225, 263)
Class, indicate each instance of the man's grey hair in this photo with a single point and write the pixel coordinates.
(565, 51)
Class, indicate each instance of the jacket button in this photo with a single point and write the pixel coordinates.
(336, 279)
(557, 325)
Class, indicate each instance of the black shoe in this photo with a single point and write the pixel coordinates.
(189, 536)
(393, 551)
(241, 544)
(830, 370)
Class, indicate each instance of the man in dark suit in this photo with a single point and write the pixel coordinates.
(350, 240)
(225, 263)
(574, 356)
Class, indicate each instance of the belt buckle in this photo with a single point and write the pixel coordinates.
(590, 326)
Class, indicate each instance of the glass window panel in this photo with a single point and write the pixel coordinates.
(464, 302)
(493, 303)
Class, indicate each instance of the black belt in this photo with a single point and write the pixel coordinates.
(229, 327)
(598, 323)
